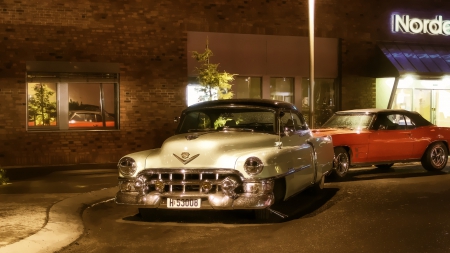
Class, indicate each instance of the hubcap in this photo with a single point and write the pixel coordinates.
(438, 156)
(342, 164)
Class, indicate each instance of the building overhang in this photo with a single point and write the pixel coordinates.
(398, 59)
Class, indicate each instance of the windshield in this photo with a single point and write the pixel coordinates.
(349, 121)
(231, 119)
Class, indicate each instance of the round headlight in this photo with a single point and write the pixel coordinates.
(127, 166)
(253, 165)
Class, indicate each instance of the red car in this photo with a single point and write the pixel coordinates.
(89, 119)
(382, 137)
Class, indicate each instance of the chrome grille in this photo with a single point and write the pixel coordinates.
(187, 182)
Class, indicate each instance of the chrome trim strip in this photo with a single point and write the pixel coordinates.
(185, 182)
(289, 172)
(280, 214)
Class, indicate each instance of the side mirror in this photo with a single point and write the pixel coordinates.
(176, 119)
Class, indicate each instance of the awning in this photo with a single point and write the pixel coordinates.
(409, 58)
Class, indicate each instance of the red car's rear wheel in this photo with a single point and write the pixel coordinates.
(435, 157)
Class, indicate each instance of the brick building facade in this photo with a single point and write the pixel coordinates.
(148, 41)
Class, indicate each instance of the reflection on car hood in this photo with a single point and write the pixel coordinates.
(333, 131)
(209, 150)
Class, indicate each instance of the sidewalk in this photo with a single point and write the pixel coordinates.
(46, 222)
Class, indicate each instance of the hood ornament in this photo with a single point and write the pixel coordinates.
(184, 159)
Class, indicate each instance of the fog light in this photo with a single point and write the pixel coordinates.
(259, 187)
(126, 187)
(229, 185)
(140, 184)
(206, 186)
(252, 188)
(159, 186)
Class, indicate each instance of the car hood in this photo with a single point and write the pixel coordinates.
(208, 150)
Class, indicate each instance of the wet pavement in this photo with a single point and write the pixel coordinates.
(41, 207)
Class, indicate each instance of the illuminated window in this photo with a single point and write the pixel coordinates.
(196, 93)
(403, 99)
(247, 87)
(85, 99)
(42, 107)
(78, 101)
(324, 99)
(282, 88)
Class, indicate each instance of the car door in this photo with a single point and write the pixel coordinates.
(392, 140)
(422, 136)
(295, 140)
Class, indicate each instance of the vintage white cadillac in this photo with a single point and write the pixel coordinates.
(228, 154)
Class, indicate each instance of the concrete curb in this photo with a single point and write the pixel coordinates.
(64, 226)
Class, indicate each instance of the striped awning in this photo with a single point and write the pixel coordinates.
(421, 59)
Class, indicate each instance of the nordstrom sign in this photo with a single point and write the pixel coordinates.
(405, 24)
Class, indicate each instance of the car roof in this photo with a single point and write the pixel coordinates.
(375, 110)
(243, 102)
(418, 119)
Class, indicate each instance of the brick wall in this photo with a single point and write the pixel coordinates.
(148, 40)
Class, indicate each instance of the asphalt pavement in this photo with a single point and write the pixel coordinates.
(41, 207)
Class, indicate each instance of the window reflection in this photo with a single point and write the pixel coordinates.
(90, 119)
(324, 100)
(90, 103)
(282, 88)
(247, 87)
(81, 105)
(403, 99)
(42, 107)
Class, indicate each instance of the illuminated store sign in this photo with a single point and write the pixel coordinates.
(405, 24)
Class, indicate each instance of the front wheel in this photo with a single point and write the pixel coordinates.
(435, 157)
(341, 162)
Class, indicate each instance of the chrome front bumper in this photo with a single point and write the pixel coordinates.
(221, 193)
(212, 201)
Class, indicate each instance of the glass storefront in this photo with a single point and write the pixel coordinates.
(430, 98)
(243, 87)
(282, 88)
(324, 99)
(247, 87)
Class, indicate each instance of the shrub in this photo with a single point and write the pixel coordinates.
(3, 178)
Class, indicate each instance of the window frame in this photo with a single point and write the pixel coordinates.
(62, 110)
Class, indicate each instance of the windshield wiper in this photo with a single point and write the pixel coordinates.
(238, 129)
(202, 130)
(344, 127)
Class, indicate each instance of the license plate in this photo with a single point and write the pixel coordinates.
(183, 203)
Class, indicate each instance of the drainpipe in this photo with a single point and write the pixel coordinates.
(394, 90)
